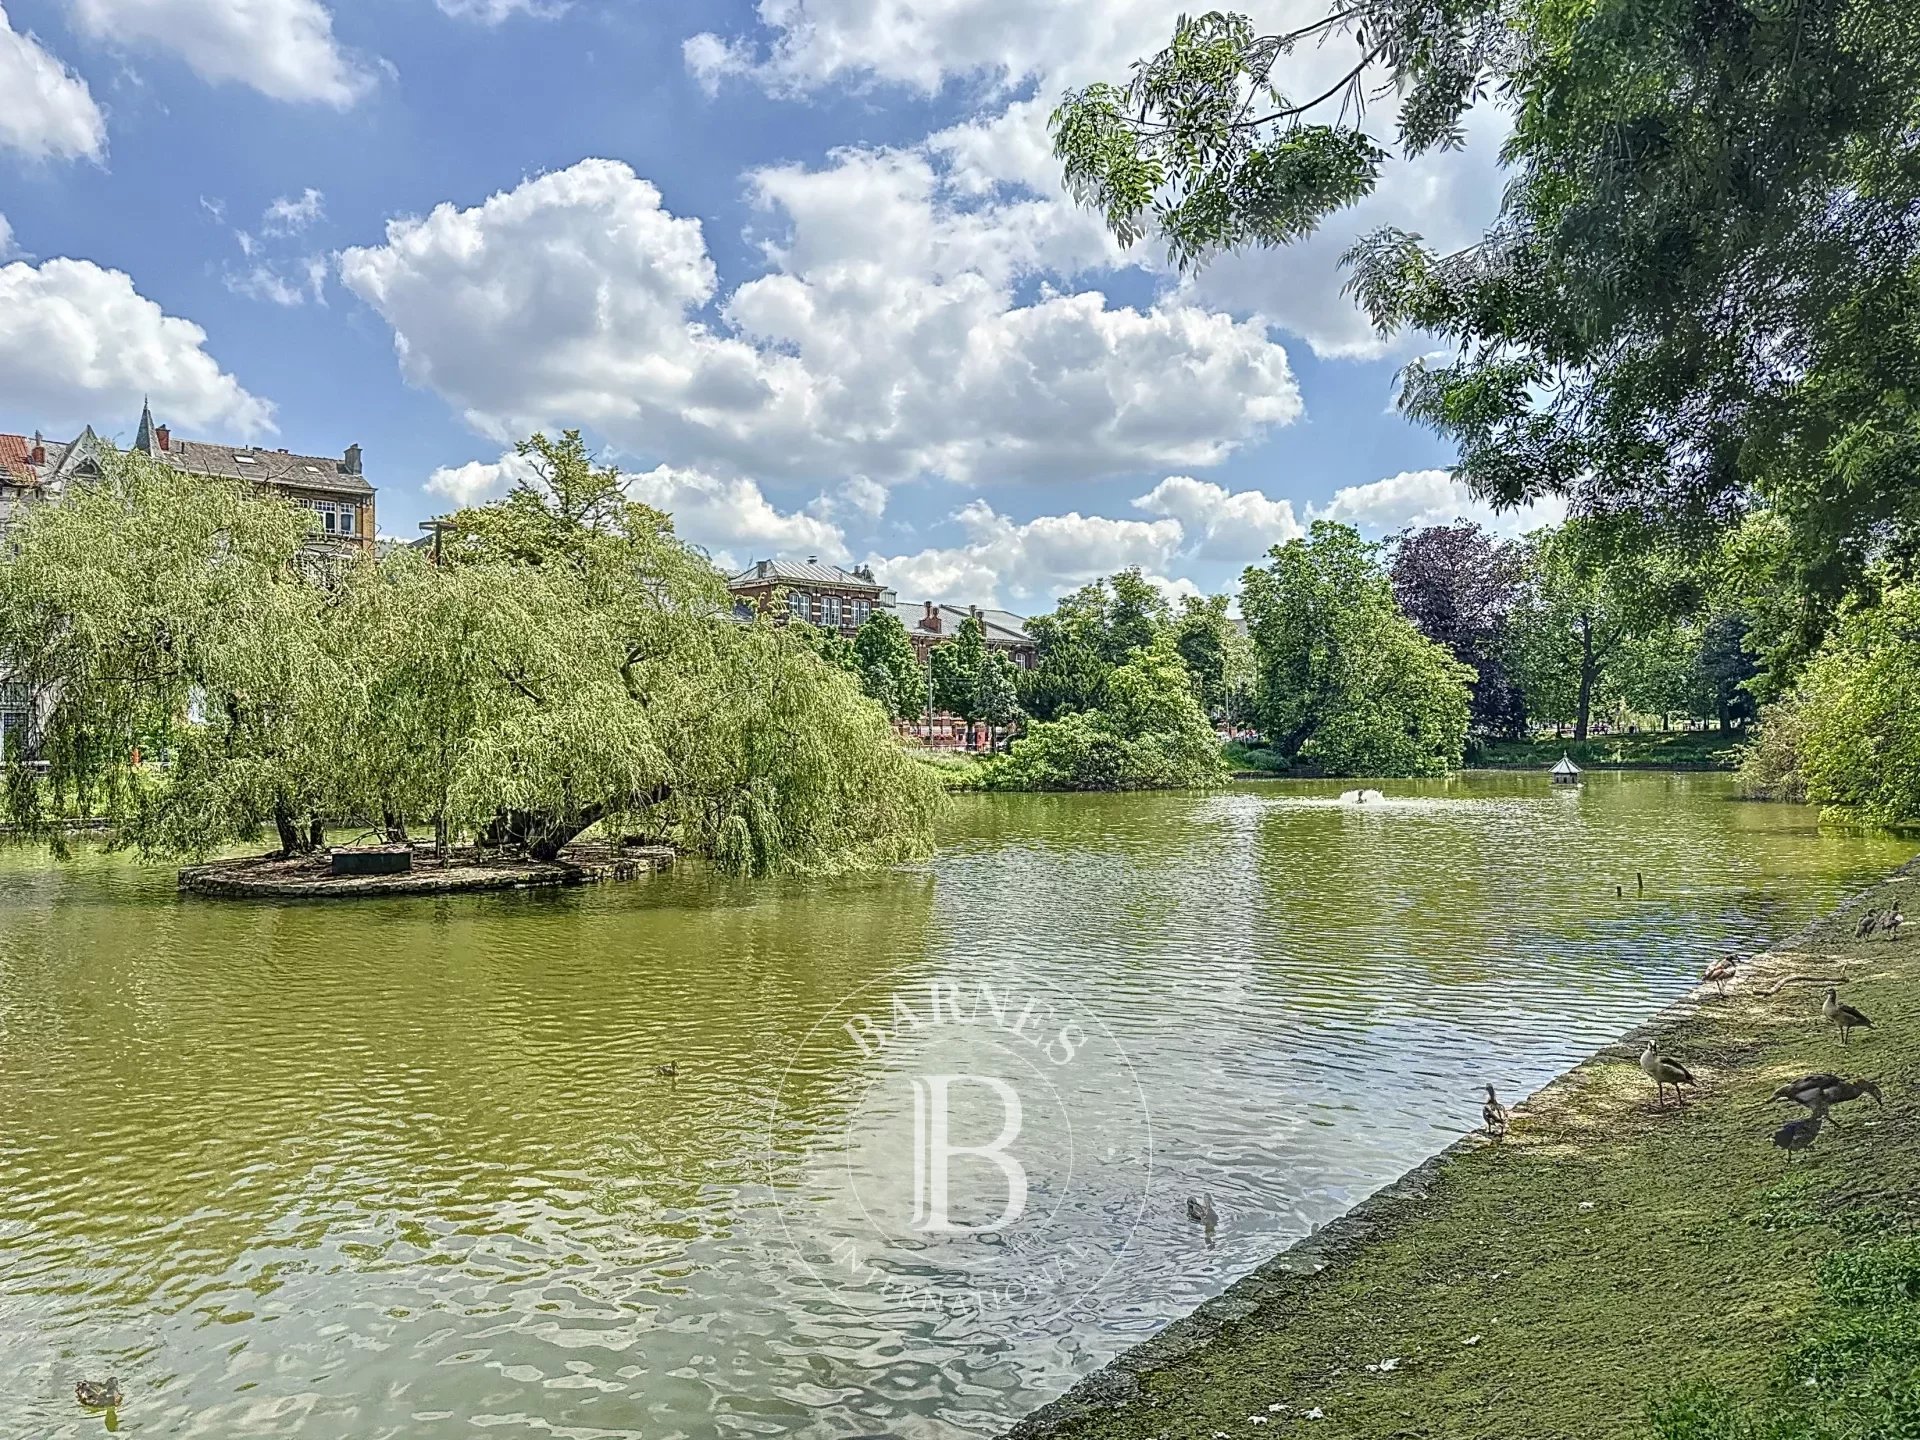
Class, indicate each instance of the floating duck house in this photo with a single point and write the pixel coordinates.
(1566, 772)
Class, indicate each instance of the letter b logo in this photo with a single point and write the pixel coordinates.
(932, 1150)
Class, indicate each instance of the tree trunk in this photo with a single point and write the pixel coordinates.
(1588, 666)
(316, 833)
(394, 825)
(290, 843)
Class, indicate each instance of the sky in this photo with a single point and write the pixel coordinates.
(802, 268)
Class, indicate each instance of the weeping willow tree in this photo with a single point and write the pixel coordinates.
(572, 663)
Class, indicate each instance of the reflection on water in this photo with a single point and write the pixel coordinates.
(406, 1168)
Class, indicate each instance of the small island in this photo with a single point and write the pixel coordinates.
(316, 877)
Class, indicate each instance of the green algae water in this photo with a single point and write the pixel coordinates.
(409, 1169)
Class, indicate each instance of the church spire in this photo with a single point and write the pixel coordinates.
(144, 441)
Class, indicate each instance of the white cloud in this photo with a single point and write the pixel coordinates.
(495, 12)
(1031, 564)
(1429, 497)
(289, 215)
(1221, 525)
(285, 49)
(578, 299)
(78, 345)
(731, 517)
(46, 111)
(6, 238)
(290, 286)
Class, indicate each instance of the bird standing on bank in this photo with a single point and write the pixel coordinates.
(1869, 922)
(1893, 921)
(1845, 1016)
(1494, 1114)
(1721, 971)
(1663, 1070)
(1823, 1092)
(1800, 1134)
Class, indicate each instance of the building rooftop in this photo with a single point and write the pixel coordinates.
(271, 467)
(809, 572)
(15, 466)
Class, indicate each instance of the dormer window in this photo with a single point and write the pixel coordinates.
(240, 459)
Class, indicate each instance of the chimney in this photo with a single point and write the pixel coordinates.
(930, 620)
(353, 459)
(761, 567)
(813, 559)
(164, 436)
(39, 453)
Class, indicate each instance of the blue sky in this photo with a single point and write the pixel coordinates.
(802, 268)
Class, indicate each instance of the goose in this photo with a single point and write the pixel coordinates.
(1845, 1016)
(97, 1394)
(1494, 1114)
(1664, 1071)
(1891, 924)
(1201, 1211)
(1799, 1134)
(1722, 970)
(1823, 1092)
(667, 1071)
(1869, 922)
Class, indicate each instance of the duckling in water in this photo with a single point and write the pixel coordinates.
(97, 1394)
(667, 1071)
(1845, 1016)
(1663, 1070)
(1494, 1114)
(1201, 1211)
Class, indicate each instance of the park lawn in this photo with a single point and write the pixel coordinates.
(1557, 1283)
(1653, 750)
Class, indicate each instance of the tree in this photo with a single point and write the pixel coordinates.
(1458, 585)
(1702, 285)
(572, 663)
(889, 670)
(1593, 589)
(1217, 655)
(957, 666)
(996, 695)
(1090, 632)
(1344, 680)
(1150, 734)
(1849, 737)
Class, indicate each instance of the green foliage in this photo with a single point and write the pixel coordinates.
(957, 667)
(1856, 1374)
(888, 669)
(1093, 630)
(1218, 657)
(1344, 680)
(1849, 738)
(572, 663)
(1149, 734)
(1241, 756)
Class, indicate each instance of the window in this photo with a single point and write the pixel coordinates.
(799, 604)
(862, 609)
(245, 460)
(335, 518)
(830, 611)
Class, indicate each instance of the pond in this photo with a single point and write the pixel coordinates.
(410, 1168)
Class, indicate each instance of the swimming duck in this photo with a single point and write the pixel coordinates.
(1663, 1070)
(1201, 1211)
(1799, 1134)
(97, 1394)
(1494, 1114)
(1722, 970)
(667, 1071)
(1845, 1016)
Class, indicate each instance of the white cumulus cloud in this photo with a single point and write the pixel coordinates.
(577, 298)
(79, 345)
(1002, 561)
(285, 49)
(1429, 497)
(46, 111)
(1221, 524)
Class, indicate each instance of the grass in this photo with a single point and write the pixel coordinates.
(1654, 750)
(1609, 1269)
(957, 770)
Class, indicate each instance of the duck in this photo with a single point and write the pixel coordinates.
(1800, 1134)
(1494, 1114)
(667, 1071)
(1845, 1016)
(1663, 1070)
(1200, 1210)
(98, 1394)
(1823, 1092)
(1722, 970)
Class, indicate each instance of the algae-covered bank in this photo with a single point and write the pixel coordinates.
(1608, 1264)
